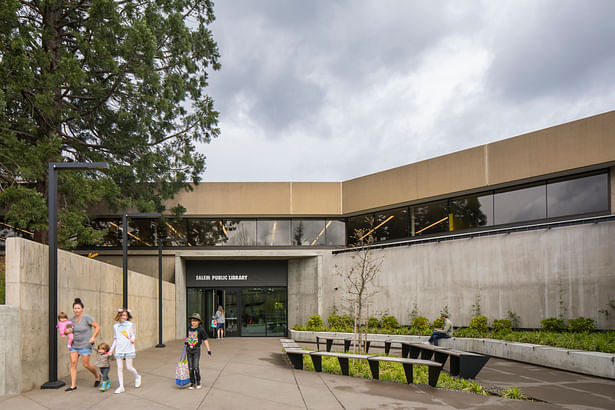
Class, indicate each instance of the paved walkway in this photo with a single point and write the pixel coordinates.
(252, 373)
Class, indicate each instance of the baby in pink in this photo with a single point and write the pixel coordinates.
(62, 325)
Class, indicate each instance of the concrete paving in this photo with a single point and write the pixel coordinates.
(253, 373)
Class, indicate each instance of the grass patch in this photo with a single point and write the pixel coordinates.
(394, 372)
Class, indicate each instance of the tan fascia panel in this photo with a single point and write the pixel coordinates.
(564, 149)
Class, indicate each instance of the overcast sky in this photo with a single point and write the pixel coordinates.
(328, 90)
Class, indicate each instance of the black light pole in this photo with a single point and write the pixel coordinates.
(160, 240)
(52, 207)
(125, 217)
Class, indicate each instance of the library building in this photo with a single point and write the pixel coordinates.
(523, 225)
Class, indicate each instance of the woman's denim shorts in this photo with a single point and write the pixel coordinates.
(86, 351)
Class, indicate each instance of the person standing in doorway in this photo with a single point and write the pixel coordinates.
(195, 336)
(220, 321)
(83, 341)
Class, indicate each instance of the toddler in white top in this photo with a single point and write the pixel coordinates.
(124, 334)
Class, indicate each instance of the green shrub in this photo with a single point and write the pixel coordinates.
(347, 321)
(553, 324)
(314, 323)
(420, 323)
(500, 325)
(438, 323)
(479, 324)
(390, 322)
(373, 323)
(334, 320)
(581, 325)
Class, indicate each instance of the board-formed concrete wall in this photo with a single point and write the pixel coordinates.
(9, 338)
(565, 271)
(98, 284)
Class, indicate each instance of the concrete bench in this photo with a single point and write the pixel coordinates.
(464, 364)
(348, 341)
(296, 357)
(342, 358)
(290, 345)
(434, 367)
(329, 342)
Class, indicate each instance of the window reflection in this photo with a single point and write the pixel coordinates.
(335, 232)
(578, 196)
(430, 218)
(357, 224)
(391, 224)
(113, 234)
(308, 232)
(253, 321)
(9, 231)
(471, 212)
(239, 232)
(205, 232)
(273, 233)
(525, 204)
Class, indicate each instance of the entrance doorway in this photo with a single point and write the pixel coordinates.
(248, 311)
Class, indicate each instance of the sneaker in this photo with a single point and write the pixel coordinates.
(97, 383)
(191, 387)
(198, 386)
(138, 381)
(107, 384)
(119, 390)
(103, 387)
(425, 343)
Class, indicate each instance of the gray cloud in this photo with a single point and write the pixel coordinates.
(560, 48)
(330, 90)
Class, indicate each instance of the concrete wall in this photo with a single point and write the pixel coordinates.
(303, 289)
(536, 274)
(10, 333)
(99, 285)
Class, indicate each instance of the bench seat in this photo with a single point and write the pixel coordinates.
(463, 364)
(342, 359)
(434, 367)
(296, 357)
(329, 342)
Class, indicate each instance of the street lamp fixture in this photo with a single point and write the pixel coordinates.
(52, 207)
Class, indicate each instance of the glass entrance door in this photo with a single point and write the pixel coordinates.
(248, 311)
(231, 312)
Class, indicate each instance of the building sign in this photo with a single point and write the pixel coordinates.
(244, 273)
(221, 277)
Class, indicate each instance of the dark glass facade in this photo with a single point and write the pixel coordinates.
(585, 194)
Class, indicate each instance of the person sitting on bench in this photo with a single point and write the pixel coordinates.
(444, 333)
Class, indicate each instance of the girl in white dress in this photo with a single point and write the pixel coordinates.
(124, 333)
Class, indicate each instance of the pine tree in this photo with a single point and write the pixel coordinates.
(102, 80)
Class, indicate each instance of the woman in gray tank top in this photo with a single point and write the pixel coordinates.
(82, 344)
